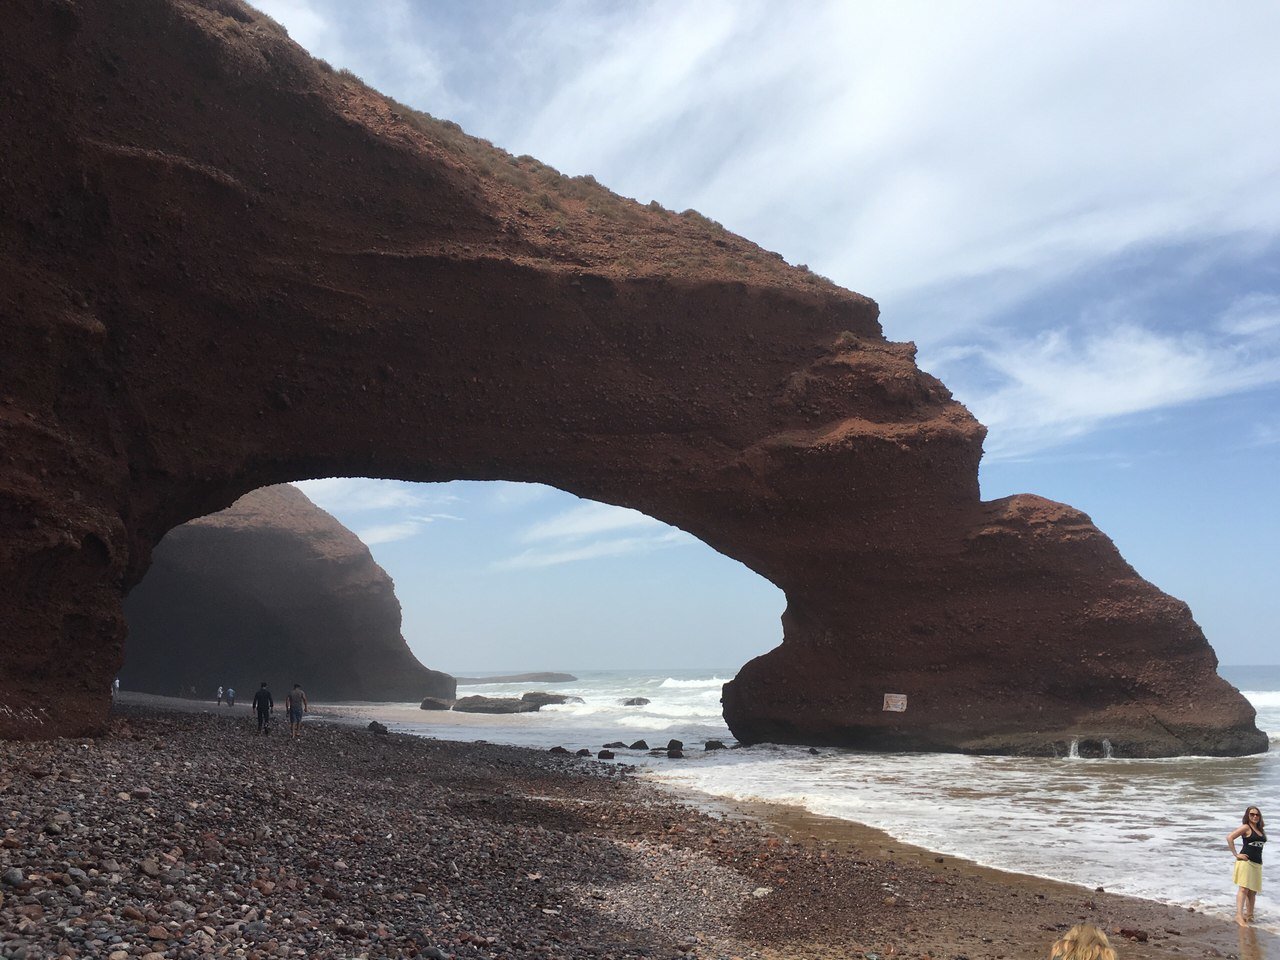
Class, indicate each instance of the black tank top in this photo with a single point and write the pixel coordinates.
(1253, 845)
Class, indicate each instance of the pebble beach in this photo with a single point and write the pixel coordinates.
(180, 833)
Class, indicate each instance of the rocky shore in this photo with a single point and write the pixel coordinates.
(185, 835)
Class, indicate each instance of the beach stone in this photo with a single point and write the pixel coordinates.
(636, 702)
(675, 754)
(713, 745)
(435, 703)
(13, 877)
(150, 868)
(639, 745)
(605, 755)
(584, 752)
(616, 745)
(376, 727)
(557, 749)
(140, 793)
(675, 744)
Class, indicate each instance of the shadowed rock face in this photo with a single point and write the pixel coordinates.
(222, 267)
(271, 589)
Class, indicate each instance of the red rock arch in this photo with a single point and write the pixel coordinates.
(222, 267)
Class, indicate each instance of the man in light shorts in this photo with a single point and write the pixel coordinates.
(296, 702)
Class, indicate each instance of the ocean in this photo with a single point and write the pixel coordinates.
(1148, 828)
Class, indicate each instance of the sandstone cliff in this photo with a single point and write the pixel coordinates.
(275, 589)
(222, 266)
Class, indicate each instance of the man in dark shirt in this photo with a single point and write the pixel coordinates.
(263, 705)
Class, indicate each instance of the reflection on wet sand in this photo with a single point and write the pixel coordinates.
(1249, 947)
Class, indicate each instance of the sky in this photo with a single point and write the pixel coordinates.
(1073, 208)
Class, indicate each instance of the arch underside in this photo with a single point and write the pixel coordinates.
(223, 269)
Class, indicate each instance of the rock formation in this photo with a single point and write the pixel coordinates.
(223, 266)
(274, 589)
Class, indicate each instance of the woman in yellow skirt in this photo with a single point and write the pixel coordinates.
(1248, 870)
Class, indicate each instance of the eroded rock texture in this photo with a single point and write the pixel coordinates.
(222, 266)
(273, 589)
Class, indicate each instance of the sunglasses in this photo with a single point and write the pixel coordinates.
(1255, 814)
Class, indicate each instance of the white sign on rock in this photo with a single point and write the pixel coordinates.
(895, 702)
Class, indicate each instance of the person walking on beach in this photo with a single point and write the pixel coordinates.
(231, 696)
(1247, 875)
(263, 705)
(1084, 941)
(219, 696)
(295, 702)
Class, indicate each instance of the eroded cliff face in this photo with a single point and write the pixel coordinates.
(272, 588)
(222, 267)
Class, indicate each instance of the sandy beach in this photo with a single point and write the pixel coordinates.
(181, 833)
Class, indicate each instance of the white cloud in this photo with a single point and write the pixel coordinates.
(389, 532)
(1061, 384)
(1253, 314)
(582, 533)
(1265, 435)
(586, 520)
(536, 558)
(510, 495)
(356, 494)
(400, 530)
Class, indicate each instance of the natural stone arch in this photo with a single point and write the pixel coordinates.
(226, 267)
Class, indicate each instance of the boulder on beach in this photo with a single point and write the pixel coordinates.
(639, 745)
(635, 701)
(675, 744)
(605, 755)
(435, 703)
(376, 727)
(616, 745)
(493, 705)
(713, 745)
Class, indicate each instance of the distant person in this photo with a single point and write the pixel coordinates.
(296, 704)
(219, 696)
(1084, 941)
(231, 696)
(263, 705)
(115, 688)
(1247, 875)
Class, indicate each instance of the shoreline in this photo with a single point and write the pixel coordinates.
(835, 887)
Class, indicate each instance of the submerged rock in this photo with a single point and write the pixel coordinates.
(494, 705)
(539, 699)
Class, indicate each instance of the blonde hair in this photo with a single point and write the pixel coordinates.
(1084, 941)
